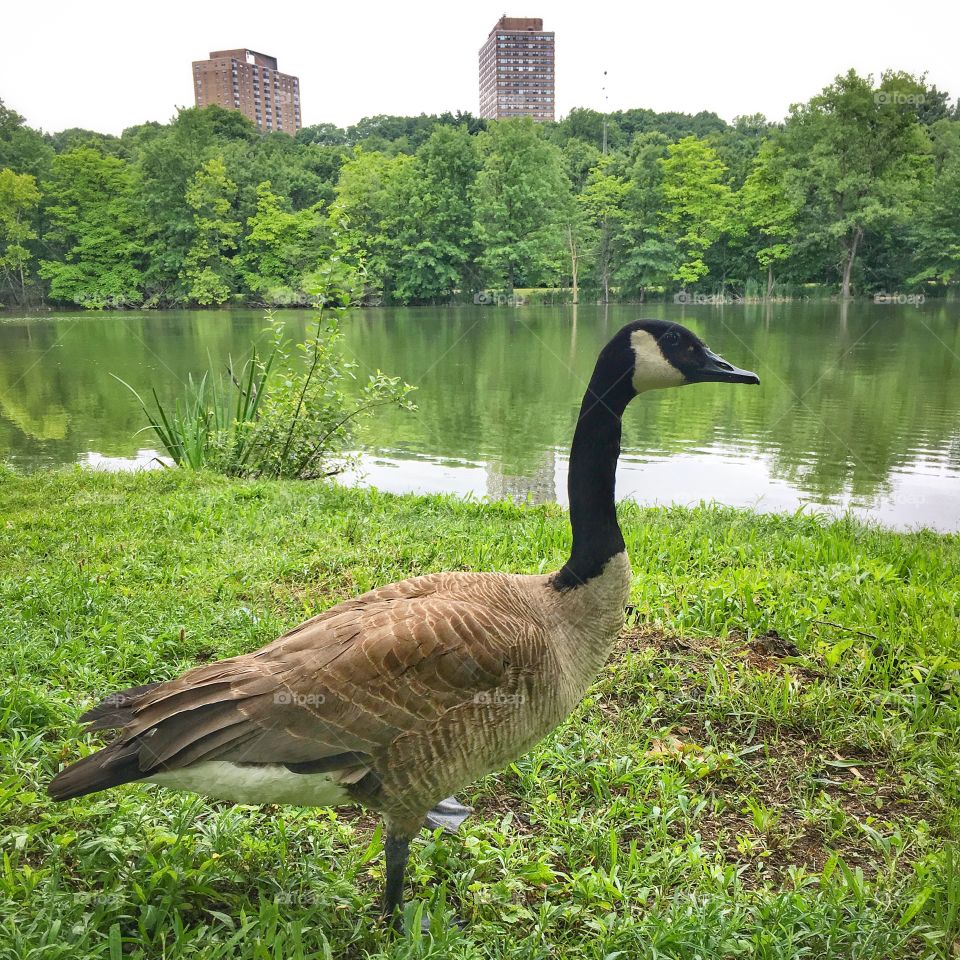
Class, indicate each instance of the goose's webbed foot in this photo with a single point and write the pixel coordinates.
(448, 814)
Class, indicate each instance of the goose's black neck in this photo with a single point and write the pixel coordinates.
(593, 468)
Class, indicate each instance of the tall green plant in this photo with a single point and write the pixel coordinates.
(287, 414)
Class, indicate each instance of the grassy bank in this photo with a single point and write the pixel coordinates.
(768, 767)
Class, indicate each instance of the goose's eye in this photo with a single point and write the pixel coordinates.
(672, 339)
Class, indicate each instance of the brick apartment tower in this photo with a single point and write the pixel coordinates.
(517, 70)
(250, 82)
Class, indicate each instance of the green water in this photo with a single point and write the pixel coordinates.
(859, 407)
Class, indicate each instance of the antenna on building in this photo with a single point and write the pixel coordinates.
(604, 89)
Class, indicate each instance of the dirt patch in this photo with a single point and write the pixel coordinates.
(783, 814)
(497, 802)
(360, 819)
(774, 792)
(644, 637)
(767, 653)
(772, 645)
(205, 655)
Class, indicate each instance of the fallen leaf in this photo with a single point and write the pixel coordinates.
(670, 747)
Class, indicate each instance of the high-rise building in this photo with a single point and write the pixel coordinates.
(517, 70)
(250, 82)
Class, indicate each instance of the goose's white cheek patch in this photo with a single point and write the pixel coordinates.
(651, 369)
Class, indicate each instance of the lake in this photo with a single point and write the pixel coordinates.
(859, 405)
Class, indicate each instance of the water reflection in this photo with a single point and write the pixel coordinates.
(147, 459)
(538, 487)
(912, 499)
(859, 405)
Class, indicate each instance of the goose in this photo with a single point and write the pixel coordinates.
(398, 698)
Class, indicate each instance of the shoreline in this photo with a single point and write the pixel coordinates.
(358, 480)
(525, 302)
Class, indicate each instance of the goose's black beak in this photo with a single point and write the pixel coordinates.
(717, 370)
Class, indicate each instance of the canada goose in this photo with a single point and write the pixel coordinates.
(402, 696)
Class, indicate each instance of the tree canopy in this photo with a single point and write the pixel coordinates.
(857, 191)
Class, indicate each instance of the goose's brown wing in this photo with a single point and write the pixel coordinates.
(344, 684)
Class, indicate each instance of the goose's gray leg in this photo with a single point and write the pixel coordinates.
(397, 850)
(448, 814)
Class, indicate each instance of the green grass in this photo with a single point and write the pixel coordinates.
(767, 768)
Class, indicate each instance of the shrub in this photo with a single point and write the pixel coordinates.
(285, 414)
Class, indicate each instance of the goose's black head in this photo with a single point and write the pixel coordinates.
(650, 354)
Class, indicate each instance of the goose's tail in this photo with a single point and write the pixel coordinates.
(106, 768)
(111, 766)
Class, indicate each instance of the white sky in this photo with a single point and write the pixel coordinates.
(106, 65)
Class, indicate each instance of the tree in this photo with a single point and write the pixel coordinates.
(698, 205)
(22, 149)
(409, 219)
(738, 145)
(579, 240)
(602, 201)
(579, 158)
(672, 125)
(94, 231)
(208, 270)
(323, 134)
(365, 214)
(19, 198)
(769, 209)
(74, 137)
(288, 166)
(934, 105)
(282, 248)
(860, 185)
(857, 159)
(518, 198)
(433, 230)
(936, 229)
(642, 256)
(587, 126)
(166, 161)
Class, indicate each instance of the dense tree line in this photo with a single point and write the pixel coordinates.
(857, 190)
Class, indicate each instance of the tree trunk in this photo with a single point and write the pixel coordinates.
(605, 246)
(850, 257)
(574, 266)
(769, 279)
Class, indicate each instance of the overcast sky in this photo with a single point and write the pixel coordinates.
(107, 65)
